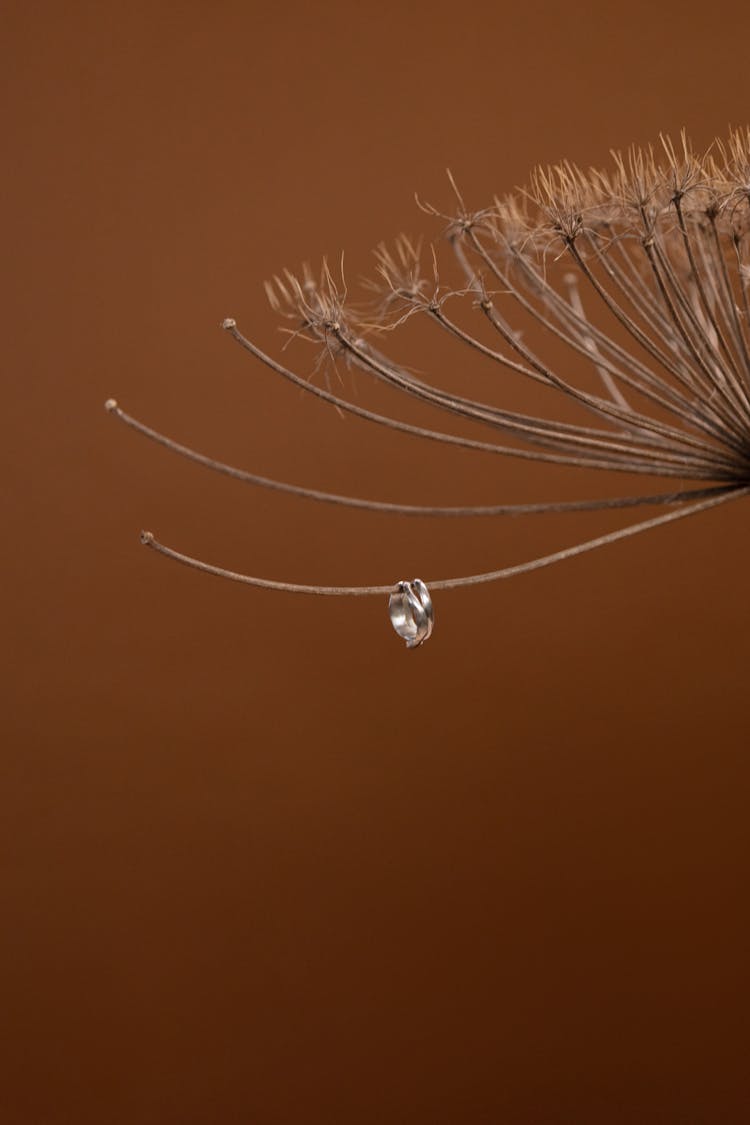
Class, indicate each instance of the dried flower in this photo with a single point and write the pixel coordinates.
(642, 272)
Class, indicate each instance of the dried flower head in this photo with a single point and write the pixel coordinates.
(641, 272)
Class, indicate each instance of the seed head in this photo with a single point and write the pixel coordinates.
(641, 271)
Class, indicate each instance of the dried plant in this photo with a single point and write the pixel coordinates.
(642, 272)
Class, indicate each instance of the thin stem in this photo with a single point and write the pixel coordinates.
(733, 493)
(454, 329)
(721, 375)
(406, 509)
(644, 381)
(610, 464)
(666, 397)
(656, 258)
(697, 277)
(730, 306)
(744, 276)
(629, 324)
(589, 342)
(534, 430)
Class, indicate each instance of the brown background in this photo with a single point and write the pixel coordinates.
(260, 864)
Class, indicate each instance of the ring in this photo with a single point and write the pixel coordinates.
(411, 613)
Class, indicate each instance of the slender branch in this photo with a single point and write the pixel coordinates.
(148, 540)
(613, 445)
(647, 384)
(407, 509)
(632, 466)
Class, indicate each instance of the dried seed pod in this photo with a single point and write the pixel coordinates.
(642, 272)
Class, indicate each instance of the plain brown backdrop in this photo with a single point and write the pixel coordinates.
(259, 864)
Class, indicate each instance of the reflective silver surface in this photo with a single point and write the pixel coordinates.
(411, 613)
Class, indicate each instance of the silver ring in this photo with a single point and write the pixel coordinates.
(411, 613)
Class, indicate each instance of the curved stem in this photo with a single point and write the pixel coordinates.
(579, 462)
(732, 493)
(405, 509)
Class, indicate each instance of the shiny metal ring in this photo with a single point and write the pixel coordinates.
(411, 613)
